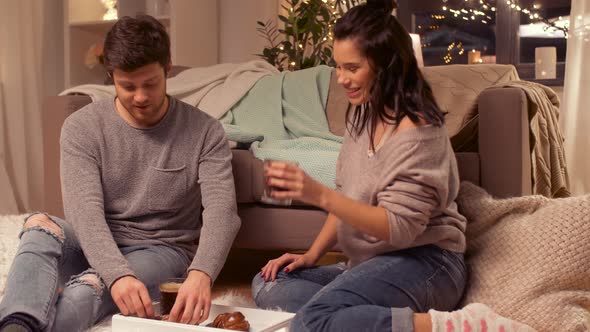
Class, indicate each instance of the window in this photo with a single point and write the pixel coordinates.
(489, 31)
(451, 34)
(535, 34)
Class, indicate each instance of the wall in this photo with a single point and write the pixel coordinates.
(84, 10)
(238, 38)
(196, 21)
(220, 31)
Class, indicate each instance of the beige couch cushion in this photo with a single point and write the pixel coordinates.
(456, 88)
(528, 258)
(336, 106)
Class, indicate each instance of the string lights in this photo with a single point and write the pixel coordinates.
(483, 12)
(550, 25)
(311, 46)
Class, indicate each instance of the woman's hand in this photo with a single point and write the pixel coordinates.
(294, 261)
(296, 183)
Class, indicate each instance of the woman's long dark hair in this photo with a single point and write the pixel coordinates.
(398, 83)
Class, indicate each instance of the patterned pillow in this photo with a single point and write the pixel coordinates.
(528, 257)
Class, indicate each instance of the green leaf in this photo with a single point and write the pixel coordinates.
(306, 23)
(284, 19)
(317, 29)
(308, 62)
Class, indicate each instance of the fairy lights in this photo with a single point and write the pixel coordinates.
(483, 12)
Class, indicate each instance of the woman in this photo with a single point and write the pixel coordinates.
(393, 214)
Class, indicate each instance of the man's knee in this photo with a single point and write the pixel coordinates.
(44, 222)
(92, 280)
(88, 278)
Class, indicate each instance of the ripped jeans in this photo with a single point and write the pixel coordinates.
(45, 261)
(380, 294)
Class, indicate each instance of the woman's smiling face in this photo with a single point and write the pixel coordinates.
(353, 70)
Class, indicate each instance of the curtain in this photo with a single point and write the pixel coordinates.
(575, 118)
(7, 200)
(31, 67)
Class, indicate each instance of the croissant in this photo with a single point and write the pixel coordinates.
(231, 321)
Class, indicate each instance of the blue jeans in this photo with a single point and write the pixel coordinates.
(45, 261)
(380, 294)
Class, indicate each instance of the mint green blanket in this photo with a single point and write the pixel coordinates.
(283, 117)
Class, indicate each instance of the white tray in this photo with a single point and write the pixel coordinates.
(260, 321)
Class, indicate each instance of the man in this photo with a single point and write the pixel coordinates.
(148, 195)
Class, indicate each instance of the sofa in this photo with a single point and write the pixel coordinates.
(488, 126)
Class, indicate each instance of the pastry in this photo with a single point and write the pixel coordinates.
(231, 321)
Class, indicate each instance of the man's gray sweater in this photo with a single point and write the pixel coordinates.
(170, 184)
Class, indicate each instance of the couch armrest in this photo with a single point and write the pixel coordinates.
(504, 146)
(248, 174)
(55, 110)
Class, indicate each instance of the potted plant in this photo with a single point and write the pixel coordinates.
(305, 38)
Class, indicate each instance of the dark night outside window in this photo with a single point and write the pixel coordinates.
(538, 35)
(448, 37)
(450, 29)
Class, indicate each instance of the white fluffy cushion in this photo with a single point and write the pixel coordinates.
(529, 258)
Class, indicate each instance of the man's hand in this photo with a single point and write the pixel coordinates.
(132, 297)
(193, 300)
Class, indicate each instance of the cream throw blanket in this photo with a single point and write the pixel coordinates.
(528, 258)
(550, 176)
(214, 89)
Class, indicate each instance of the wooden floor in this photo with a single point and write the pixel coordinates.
(238, 271)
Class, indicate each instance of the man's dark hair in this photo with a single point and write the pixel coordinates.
(135, 42)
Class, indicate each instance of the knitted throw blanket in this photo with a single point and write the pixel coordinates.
(549, 171)
(528, 257)
(284, 118)
(212, 89)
